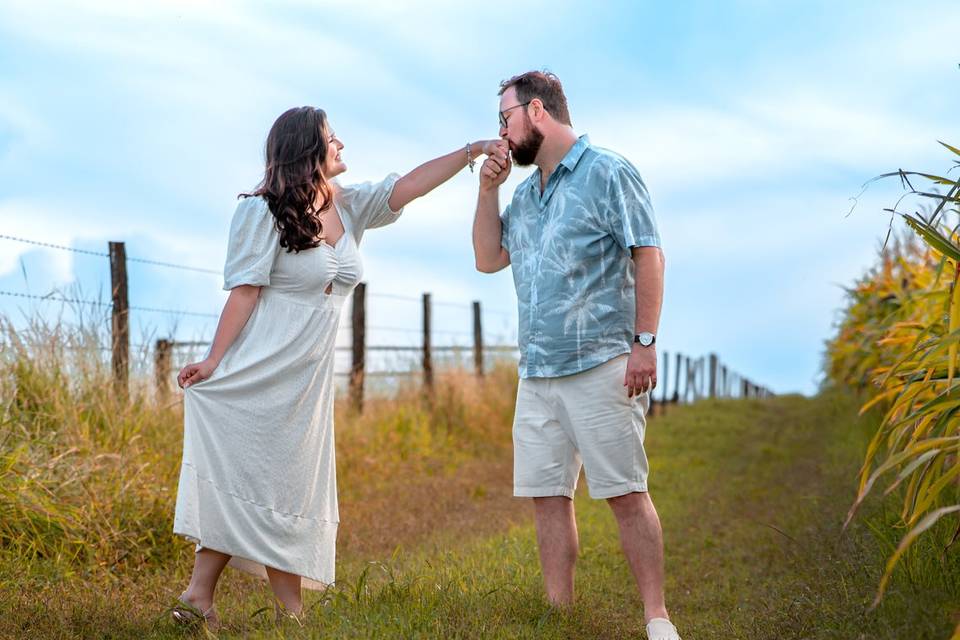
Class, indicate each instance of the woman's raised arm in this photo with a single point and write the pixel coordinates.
(433, 173)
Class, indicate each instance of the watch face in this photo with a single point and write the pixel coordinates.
(645, 339)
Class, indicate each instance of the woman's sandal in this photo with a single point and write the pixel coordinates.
(188, 615)
(283, 615)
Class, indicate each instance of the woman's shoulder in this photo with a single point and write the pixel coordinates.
(253, 206)
(360, 192)
(252, 209)
(252, 214)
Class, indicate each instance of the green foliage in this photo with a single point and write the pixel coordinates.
(899, 338)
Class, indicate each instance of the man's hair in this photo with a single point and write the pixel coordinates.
(543, 85)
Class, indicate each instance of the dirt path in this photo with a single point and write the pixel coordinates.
(475, 500)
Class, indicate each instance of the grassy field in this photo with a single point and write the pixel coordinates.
(751, 495)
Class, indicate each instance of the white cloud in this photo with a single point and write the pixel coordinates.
(766, 137)
(21, 130)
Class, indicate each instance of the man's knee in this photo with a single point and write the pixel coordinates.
(630, 504)
(553, 506)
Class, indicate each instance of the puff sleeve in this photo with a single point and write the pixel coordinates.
(367, 206)
(253, 246)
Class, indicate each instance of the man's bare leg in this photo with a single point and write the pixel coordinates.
(642, 540)
(558, 543)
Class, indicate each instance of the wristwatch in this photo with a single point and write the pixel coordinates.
(645, 338)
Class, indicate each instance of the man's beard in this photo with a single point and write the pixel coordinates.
(525, 151)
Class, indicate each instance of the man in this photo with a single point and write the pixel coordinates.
(585, 251)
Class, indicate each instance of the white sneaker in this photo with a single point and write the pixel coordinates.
(661, 629)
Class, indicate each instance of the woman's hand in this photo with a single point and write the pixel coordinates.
(496, 147)
(195, 372)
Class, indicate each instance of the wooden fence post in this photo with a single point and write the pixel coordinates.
(161, 367)
(477, 339)
(676, 382)
(695, 379)
(695, 365)
(714, 370)
(427, 362)
(701, 377)
(120, 318)
(664, 381)
(359, 324)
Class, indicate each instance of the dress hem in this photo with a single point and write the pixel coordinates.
(256, 568)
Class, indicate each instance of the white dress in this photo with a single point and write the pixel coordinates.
(258, 477)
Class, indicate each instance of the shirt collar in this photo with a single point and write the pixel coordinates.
(569, 161)
(576, 151)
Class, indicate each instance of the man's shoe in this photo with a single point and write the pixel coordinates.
(661, 629)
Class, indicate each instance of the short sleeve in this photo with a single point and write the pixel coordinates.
(505, 229)
(253, 246)
(367, 204)
(629, 211)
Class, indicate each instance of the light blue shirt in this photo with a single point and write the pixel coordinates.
(570, 253)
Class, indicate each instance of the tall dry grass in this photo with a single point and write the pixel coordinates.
(88, 478)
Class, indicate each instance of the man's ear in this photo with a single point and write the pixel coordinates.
(538, 112)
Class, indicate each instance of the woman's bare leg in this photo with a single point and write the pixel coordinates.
(207, 567)
(286, 588)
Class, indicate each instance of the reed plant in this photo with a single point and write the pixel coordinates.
(898, 343)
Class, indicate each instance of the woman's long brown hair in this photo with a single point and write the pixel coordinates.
(295, 152)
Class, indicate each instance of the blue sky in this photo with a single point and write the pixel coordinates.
(753, 124)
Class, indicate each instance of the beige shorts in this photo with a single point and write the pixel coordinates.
(585, 419)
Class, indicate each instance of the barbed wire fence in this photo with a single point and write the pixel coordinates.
(692, 378)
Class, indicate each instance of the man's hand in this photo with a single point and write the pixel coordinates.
(496, 167)
(641, 370)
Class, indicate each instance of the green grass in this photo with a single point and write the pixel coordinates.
(751, 495)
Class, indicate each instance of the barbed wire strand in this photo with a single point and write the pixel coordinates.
(184, 267)
(159, 263)
(100, 303)
(50, 245)
(51, 298)
(55, 298)
(173, 265)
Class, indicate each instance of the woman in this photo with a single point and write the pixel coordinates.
(257, 485)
